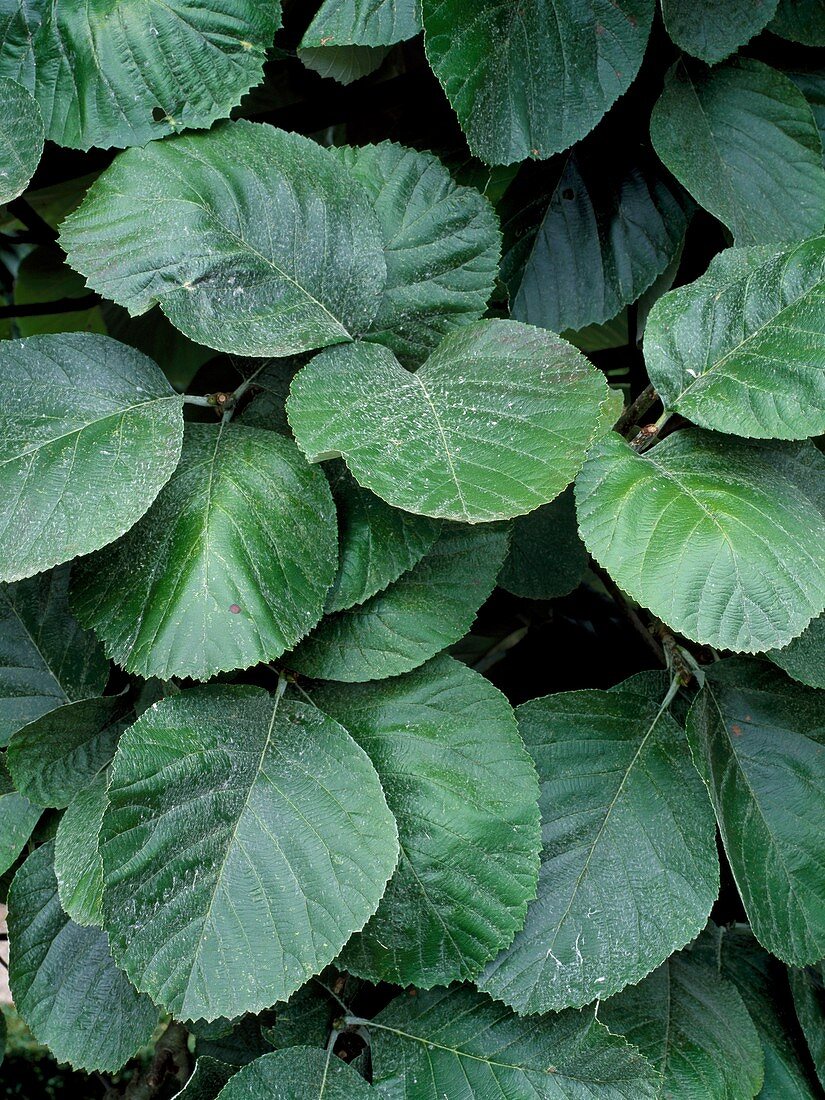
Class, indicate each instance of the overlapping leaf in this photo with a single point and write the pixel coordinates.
(495, 423)
(209, 228)
(230, 567)
(804, 658)
(629, 870)
(108, 74)
(425, 610)
(90, 431)
(719, 537)
(363, 23)
(18, 818)
(808, 988)
(800, 21)
(712, 31)
(46, 658)
(464, 794)
(63, 980)
(21, 138)
(742, 349)
(502, 67)
(743, 141)
(441, 242)
(298, 1073)
(757, 740)
(547, 558)
(245, 840)
(77, 862)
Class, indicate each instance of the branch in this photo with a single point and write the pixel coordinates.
(40, 229)
(636, 410)
(43, 309)
(171, 1058)
(629, 612)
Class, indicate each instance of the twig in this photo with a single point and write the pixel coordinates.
(42, 232)
(636, 410)
(43, 309)
(629, 612)
(171, 1058)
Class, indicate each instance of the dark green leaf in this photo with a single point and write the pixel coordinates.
(345, 64)
(18, 818)
(21, 138)
(547, 558)
(801, 21)
(711, 30)
(208, 1078)
(77, 861)
(808, 987)
(299, 1073)
(44, 276)
(804, 658)
(363, 23)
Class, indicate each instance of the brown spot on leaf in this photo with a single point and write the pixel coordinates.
(235, 609)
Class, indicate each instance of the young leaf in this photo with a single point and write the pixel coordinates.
(719, 537)
(464, 794)
(442, 245)
(18, 818)
(345, 64)
(235, 200)
(90, 431)
(740, 350)
(713, 31)
(21, 138)
(695, 1029)
(804, 658)
(502, 67)
(757, 741)
(245, 840)
(377, 543)
(77, 862)
(363, 23)
(208, 1078)
(458, 1043)
(425, 610)
(105, 76)
(231, 566)
(46, 658)
(800, 21)
(547, 558)
(60, 753)
(64, 983)
(495, 423)
(742, 140)
(298, 1073)
(808, 987)
(629, 870)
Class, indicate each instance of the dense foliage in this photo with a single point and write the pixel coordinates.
(412, 546)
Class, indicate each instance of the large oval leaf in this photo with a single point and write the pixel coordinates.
(245, 840)
(363, 23)
(253, 240)
(21, 138)
(712, 31)
(741, 565)
(757, 740)
(458, 1043)
(800, 21)
(495, 423)
(442, 245)
(90, 431)
(502, 66)
(298, 1073)
(629, 870)
(695, 1029)
(428, 608)
(742, 349)
(119, 74)
(64, 983)
(464, 794)
(743, 141)
(46, 658)
(230, 567)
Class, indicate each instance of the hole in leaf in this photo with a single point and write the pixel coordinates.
(158, 114)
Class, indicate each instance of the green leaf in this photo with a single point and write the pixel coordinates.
(308, 1016)
(629, 870)
(43, 276)
(762, 983)
(442, 245)
(757, 740)
(741, 349)
(811, 82)
(208, 1078)
(712, 31)
(529, 80)
(720, 537)
(298, 1073)
(804, 658)
(547, 558)
(166, 223)
(238, 1041)
(695, 1029)
(46, 658)
(21, 138)
(90, 431)
(178, 358)
(801, 21)
(363, 23)
(113, 75)
(18, 818)
(742, 140)
(244, 842)
(464, 795)
(460, 1044)
(77, 861)
(495, 423)
(345, 64)
(230, 567)
(611, 224)
(64, 983)
(60, 753)
(377, 543)
(424, 611)
(808, 987)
